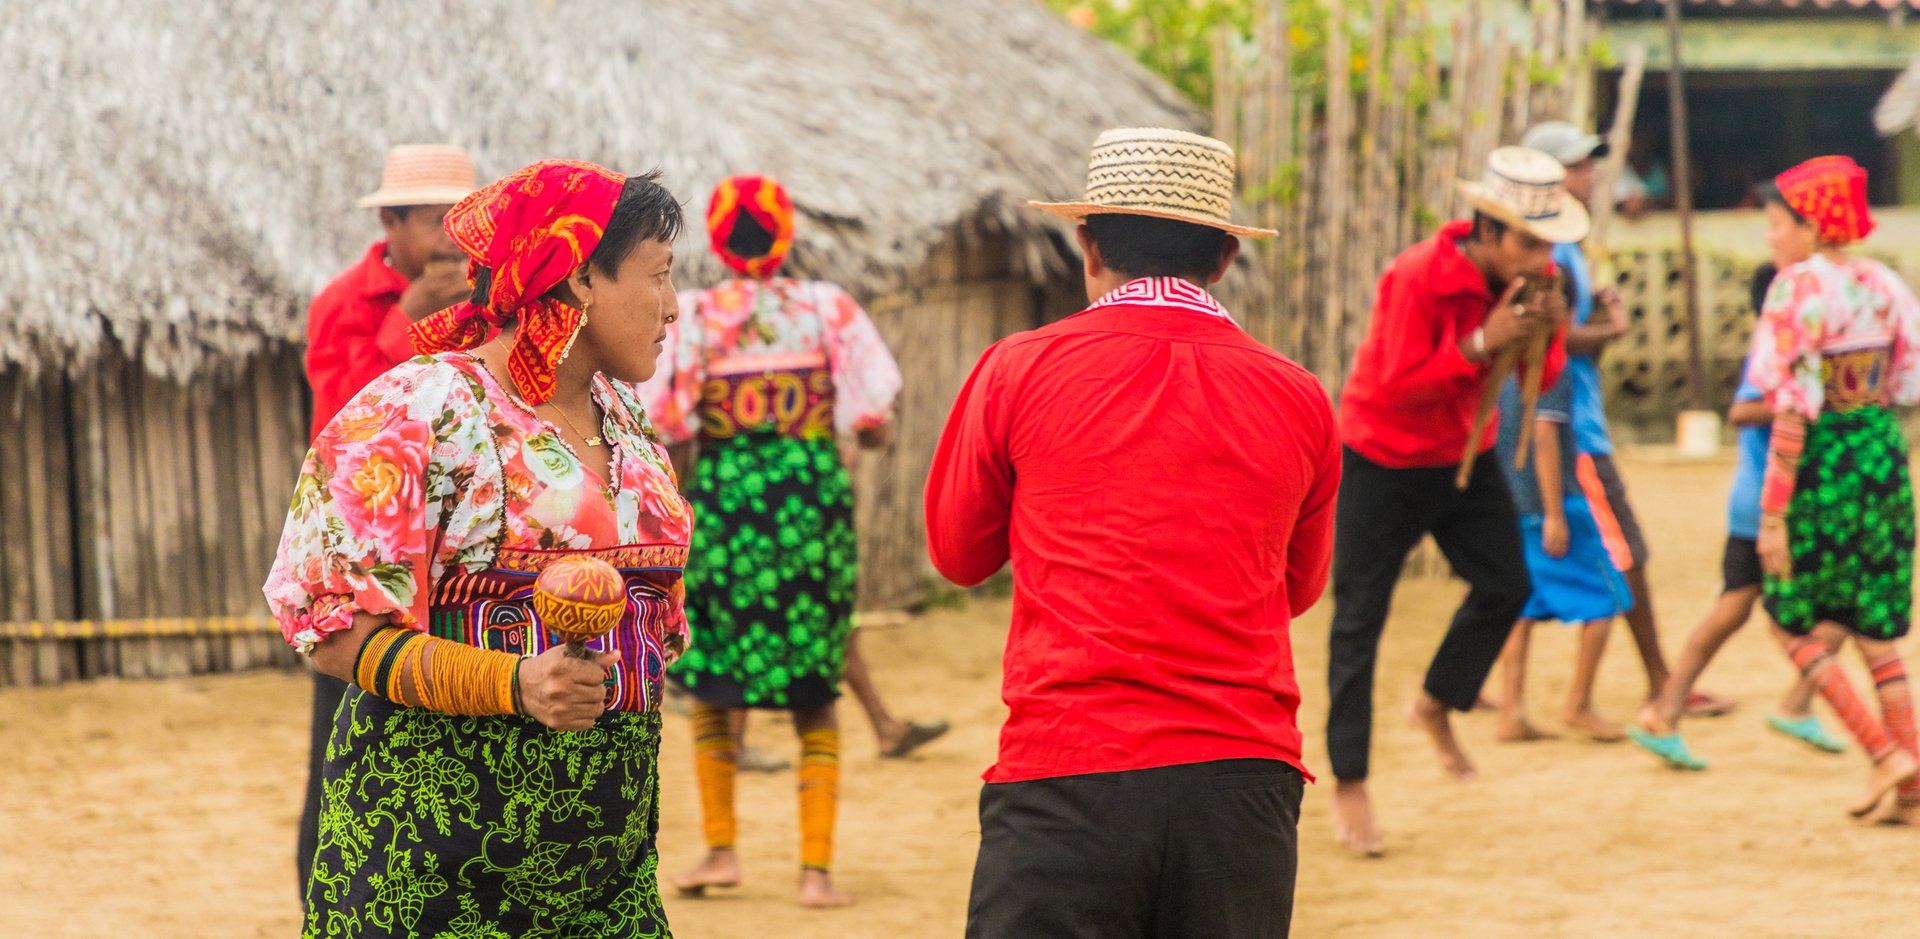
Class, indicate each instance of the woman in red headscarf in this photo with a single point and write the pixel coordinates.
(481, 780)
(1837, 347)
(766, 373)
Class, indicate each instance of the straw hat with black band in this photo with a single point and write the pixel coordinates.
(1527, 190)
(1160, 173)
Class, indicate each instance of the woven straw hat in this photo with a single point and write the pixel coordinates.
(423, 174)
(1527, 189)
(1162, 173)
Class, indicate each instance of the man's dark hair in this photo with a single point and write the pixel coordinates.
(400, 212)
(1770, 194)
(1488, 228)
(749, 239)
(1144, 246)
(646, 212)
(1762, 282)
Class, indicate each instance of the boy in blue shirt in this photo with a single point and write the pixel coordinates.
(1573, 577)
(1655, 728)
(1605, 488)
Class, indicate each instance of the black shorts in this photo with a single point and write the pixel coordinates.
(1607, 494)
(1740, 565)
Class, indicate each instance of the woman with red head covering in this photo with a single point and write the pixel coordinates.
(766, 373)
(483, 779)
(1837, 348)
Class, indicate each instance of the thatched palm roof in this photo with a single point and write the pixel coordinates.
(182, 175)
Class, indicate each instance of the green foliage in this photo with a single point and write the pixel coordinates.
(1174, 38)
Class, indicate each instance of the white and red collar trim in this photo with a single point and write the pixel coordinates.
(1175, 292)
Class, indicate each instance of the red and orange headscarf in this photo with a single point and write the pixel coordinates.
(766, 201)
(1830, 192)
(530, 229)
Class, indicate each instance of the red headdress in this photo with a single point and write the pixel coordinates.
(530, 230)
(1830, 192)
(766, 201)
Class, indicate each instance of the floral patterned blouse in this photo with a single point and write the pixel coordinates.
(778, 324)
(1834, 336)
(437, 496)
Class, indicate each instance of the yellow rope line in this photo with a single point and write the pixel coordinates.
(136, 628)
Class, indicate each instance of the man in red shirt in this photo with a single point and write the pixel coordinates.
(1404, 416)
(357, 326)
(1164, 487)
(357, 329)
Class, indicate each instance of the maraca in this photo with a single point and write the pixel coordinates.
(579, 599)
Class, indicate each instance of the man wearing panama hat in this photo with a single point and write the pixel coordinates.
(1443, 309)
(357, 329)
(1164, 486)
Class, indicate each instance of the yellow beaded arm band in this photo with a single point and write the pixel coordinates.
(413, 669)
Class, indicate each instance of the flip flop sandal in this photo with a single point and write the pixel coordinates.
(1670, 748)
(1807, 730)
(917, 736)
(1701, 704)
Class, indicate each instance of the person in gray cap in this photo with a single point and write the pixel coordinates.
(1588, 335)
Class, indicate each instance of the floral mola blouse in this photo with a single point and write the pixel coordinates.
(745, 326)
(437, 497)
(1835, 336)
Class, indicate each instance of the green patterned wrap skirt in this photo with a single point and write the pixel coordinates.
(1850, 529)
(439, 827)
(772, 574)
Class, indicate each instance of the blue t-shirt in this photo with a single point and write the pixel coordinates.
(1743, 503)
(1525, 483)
(1583, 371)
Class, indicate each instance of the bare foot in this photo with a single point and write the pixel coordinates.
(1353, 817)
(1887, 774)
(720, 868)
(1900, 812)
(1517, 729)
(817, 891)
(1650, 721)
(1428, 714)
(1592, 726)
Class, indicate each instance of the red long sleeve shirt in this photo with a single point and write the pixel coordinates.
(1164, 486)
(1412, 395)
(355, 332)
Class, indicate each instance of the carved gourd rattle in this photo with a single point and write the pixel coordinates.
(578, 600)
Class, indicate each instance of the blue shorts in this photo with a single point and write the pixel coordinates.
(1581, 586)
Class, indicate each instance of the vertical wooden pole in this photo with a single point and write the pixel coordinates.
(1683, 202)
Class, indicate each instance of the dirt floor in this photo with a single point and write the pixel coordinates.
(167, 809)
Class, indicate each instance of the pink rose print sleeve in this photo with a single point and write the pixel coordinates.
(1903, 319)
(866, 379)
(357, 535)
(1784, 360)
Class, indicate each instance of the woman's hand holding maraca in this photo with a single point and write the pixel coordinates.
(562, 691)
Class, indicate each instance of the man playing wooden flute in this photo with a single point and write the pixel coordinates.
(1444, 309)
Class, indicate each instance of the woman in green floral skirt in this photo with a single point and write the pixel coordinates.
(767, 373)
(1838, 345)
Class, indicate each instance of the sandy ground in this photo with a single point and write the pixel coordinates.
(167, 809)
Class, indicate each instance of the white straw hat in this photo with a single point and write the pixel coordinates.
(1161, 173)
(423, 174)
(1527, 189)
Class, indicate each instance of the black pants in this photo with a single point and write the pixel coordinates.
(327, 692)
(1204, 849)
(1380, 516)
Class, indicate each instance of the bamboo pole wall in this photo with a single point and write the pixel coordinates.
(1355, 162)
(138, 517)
